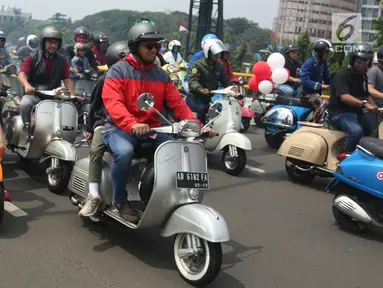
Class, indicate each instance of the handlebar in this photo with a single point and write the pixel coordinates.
(204, 134)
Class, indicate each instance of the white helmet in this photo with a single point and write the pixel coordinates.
(174, 43)
(209, 42)
(32, 42)
(214, 45)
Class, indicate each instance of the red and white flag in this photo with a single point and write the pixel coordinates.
(182, 28)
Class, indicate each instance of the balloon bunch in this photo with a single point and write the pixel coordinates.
(269, 75)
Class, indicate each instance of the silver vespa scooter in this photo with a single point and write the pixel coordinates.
(228, 125)
(52, 132)
(171, 188)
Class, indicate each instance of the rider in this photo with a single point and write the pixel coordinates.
(95, 128)
(314, 71)
(375, 78)
(291, 88)
(173, 56)
(205, 75)
(3, 92)
(5, 58)
(45, 67)
(225, 60)
(350, 95)
(196, 57)
(80, 62)
(80, 34)
(124, 82)
(101, 47)
(24, 51)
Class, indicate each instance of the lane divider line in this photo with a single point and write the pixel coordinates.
(255, 169)
(14, 210)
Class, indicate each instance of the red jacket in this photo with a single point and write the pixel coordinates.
(100, 57)
(126, 81)
(229, 70)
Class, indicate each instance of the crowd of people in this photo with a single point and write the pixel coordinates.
(134, 67)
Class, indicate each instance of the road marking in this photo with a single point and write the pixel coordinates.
(254, 169)
(14, 210)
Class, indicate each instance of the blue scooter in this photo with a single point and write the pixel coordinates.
(282, 119)
(358, 202)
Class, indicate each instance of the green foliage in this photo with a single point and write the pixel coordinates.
(377, 25)
(227, 38)
(239, 56)
(305, 46)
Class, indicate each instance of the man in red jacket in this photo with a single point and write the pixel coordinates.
(124, 83)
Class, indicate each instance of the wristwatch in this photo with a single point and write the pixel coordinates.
(364, 102)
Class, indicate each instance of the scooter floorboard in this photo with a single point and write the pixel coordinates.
(113, 213)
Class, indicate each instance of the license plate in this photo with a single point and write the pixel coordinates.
(190, 180)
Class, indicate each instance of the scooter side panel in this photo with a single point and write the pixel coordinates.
(362, 171)
(170, 158)
(69, 121)
(280, 117)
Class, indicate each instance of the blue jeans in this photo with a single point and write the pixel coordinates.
(356, 126)
(290, 91)
(122, 145)
(201, 108)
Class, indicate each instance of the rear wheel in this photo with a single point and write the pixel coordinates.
(299, 171)
(245, 124)
(345, 222)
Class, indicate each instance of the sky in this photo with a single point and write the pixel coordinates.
(259, 11)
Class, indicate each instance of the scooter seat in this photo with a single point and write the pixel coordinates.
(374, 145)
(284, 100)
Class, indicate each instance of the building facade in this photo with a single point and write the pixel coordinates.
(294, 16)
(370, 10)
(12, 14)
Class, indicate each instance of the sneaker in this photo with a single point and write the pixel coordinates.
(90, 207)
(126, 211)
(7, 195)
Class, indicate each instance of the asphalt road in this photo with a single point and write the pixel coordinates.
(283, 235)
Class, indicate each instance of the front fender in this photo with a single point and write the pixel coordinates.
(62, 150)
(236, 139)
(200, 220)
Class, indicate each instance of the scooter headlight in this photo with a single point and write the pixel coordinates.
(171, 68)
(190, 128)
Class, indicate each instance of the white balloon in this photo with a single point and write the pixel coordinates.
(265, 87)
(276, 60)
(280, 75)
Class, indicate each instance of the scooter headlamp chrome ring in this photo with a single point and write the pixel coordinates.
(190, 128)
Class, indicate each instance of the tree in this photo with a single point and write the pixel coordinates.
(240, 55)
(59, 20)
(227, 38)
(176, 36)
(377, 25)
(304, 46)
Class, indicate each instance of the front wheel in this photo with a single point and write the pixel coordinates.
(58, 179)
(274, 139)
(245, 124)
(200, 265)
(234, 166)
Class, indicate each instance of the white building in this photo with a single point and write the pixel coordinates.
(12, 14)
(294, 16)
(370, 9)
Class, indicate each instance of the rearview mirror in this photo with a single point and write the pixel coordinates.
(145, 101)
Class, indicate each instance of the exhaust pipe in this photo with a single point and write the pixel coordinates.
(349, 207)
(73, 200)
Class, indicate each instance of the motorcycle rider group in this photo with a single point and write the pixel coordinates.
(116, 123)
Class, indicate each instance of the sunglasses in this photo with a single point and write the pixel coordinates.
(2, 40)
(363, 61)
(150, 46)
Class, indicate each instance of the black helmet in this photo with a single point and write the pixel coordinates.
(322, 45)
(91, 37)
(101, 37)
(80, 31)
(289, 48)
(361, 50)
(141, 32)
(116, 52)
(50, 32)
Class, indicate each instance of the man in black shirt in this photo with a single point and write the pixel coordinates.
(291, 88)
(350, 96)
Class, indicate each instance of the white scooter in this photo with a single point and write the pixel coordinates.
(170, 187)
(52, 132)
(228, 125)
